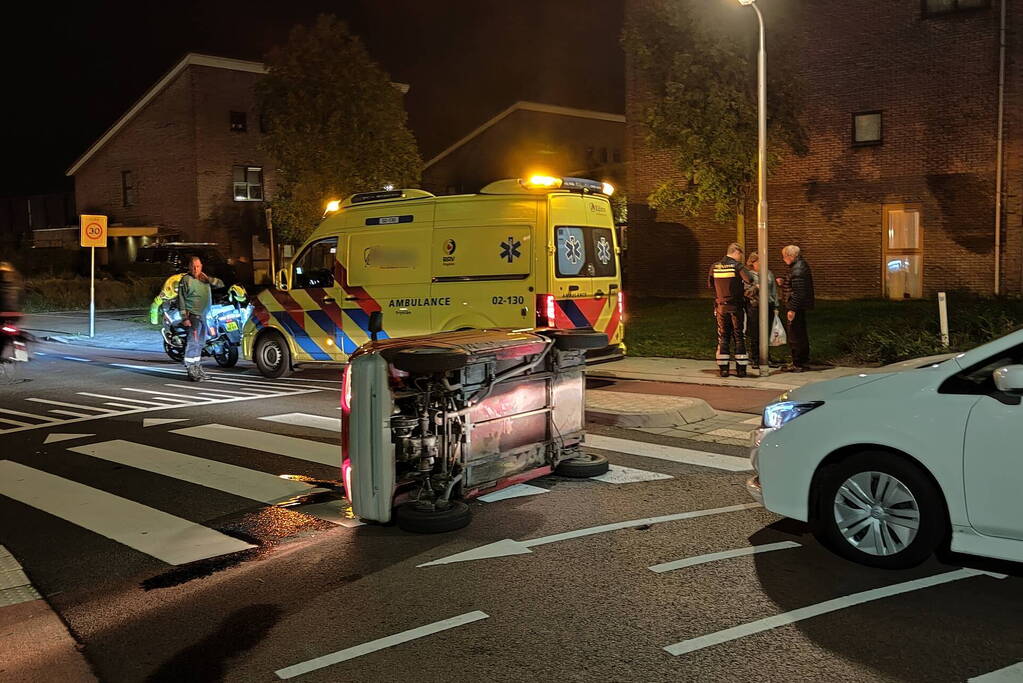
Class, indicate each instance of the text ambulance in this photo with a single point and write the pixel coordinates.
(520, 254)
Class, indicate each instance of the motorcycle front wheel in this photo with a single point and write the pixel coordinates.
(227, 357)
(176, 353)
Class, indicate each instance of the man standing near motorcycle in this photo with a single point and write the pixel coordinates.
(194, 300)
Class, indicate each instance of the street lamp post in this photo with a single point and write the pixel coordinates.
(764, 322)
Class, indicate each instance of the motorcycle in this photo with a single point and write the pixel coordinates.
(14, 342)
(224, 323)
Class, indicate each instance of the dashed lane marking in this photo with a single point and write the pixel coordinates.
(212, 474)
(330, 424)
(724, 555)
(786, 618)
(278, 444)
(681, 455)
(150, 531)
(377, 645)
(77, 359)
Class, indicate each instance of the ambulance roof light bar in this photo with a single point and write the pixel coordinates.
(385, 195)
(544, 182)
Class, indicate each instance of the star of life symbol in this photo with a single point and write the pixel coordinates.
(573, 250)
(604, 250)
(510, 249)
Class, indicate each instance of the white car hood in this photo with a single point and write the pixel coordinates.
(820, 391)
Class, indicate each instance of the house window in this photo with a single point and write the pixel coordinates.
(934, 7)
(617, 156)
(603, 155)
(248, 183)
(902, 248)
(239, 122)
(867, 128)
(127, 189)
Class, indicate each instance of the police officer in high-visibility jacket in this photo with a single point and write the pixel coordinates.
(728, 278)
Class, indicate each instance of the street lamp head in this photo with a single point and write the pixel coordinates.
(746, 2)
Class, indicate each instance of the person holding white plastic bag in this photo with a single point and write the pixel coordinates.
(753, 306)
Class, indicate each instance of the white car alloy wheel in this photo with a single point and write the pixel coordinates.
(876, 513)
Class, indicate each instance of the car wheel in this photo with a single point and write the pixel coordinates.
(273, 359)
(583, 466)
(880, 510)
(422, 520)
(228, 356)
(175, 353)
(429, 360)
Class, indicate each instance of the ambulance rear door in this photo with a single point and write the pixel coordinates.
(387, 268)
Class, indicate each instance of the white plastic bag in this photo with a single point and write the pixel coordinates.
(778, 336)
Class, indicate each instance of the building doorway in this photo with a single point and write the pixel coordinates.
(902, 252)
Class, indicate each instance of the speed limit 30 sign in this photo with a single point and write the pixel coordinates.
(93, 231)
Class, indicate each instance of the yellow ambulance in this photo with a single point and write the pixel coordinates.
(519, 254)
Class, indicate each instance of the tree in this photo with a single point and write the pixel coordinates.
(335, 125)
(698, 77)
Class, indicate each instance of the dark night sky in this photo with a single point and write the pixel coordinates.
(69, 73)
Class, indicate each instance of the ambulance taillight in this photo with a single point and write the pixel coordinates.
(545, 310)
(621, 306)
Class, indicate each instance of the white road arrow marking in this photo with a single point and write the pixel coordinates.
(54, 438)
(511, 547)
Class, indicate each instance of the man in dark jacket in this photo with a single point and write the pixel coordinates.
(728, 278)
(799, 285)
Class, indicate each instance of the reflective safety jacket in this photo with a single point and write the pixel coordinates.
(169, 292)
(727, 278)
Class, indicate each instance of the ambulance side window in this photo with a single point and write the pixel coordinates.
(314, 267)
(585, 252)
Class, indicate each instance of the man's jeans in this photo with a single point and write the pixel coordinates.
(196, 340)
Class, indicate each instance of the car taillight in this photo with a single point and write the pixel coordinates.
(9, 329)
(346, 389)
(545, 310)
(621, 306)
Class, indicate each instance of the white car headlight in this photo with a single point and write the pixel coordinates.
(777, 414)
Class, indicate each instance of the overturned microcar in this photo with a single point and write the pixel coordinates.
(435, 420)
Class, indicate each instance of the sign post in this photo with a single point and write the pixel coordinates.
(93, 234)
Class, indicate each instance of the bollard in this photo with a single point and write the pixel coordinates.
(943, 318)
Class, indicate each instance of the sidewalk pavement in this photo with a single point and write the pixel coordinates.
(112, 331)
(36, 644)
(706, 372)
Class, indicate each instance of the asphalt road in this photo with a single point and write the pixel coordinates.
(559, 599)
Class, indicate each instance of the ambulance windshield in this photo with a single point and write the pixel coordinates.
(585, 252)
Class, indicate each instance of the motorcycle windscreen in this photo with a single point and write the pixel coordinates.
(369, 440)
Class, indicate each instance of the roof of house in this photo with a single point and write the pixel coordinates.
(528, 106)
(190, 59)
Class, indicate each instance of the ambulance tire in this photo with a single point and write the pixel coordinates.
(583, 467)
(273, 359)
(227, 358)
(414, 519)
(577, 340)
(429, 360)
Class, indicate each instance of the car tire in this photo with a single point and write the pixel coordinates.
(583, 466)
(890, 491)
(577, 340)
(228, 357)
(175, 353)
(415, 519)
(273, 359)
(429, 360)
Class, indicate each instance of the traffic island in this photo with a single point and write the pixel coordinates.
(634, 411)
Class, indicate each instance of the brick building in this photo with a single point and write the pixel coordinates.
(185, 158)
(528, 138)
(897, 194)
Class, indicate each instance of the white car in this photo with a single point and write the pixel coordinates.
(888, 465)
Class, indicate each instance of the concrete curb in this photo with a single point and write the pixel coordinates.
(620, 409)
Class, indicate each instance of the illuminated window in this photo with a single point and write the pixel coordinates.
(239, 122)
(934, 7)
(248, 183)
(867, 128)
(127, 189)
(902, 248)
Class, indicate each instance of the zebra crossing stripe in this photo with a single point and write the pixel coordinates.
(212, 474)
(330, 424)
(69, 405)
(153, 532)
(303, 449)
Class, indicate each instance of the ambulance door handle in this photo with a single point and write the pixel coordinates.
(573, 288)
(599, 294)
(351, 298)
(328, 299)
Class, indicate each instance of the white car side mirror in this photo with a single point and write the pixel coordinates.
(1009, 378)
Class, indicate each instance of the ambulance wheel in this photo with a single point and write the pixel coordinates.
(411, 517)
(429, 360)
(272, 356)
(228, 357)
(175, 353)
(577, 340)
(583, 466)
